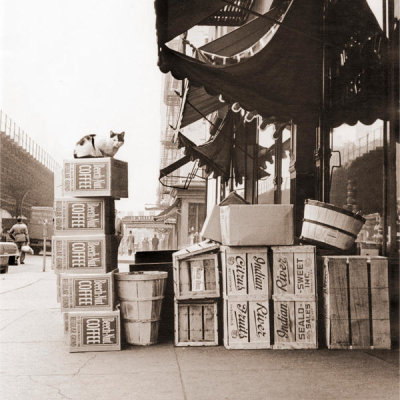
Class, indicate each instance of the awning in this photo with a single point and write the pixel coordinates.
(278, 76)
(174, 166)
(175, 17)
(226, 151)
(196, 102)
(168, 212)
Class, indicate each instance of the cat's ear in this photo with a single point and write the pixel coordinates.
(112, 134)
(121, 135)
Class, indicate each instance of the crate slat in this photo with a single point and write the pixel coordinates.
(196, 323)
(197, 277)
(356, 302)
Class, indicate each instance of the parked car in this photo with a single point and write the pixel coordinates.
(8, 255)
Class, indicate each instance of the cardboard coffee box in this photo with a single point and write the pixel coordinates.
(294, 272)
(85, 253)
(80, 292)
(94, 331)
(245, 272)
(257, 224)
(295, 324)
(246, 324)
(102, 177)
(83, 215)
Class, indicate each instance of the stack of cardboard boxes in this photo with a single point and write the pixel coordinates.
(85, 251)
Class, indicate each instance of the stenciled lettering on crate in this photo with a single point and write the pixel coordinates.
(196, 323)
(80, 215)
(245, 271)
(356, 302)
(294, 271)
(94, 331)
(87, 292)
(295, 324)
(83, 254)
(246, 324)
(106, 177)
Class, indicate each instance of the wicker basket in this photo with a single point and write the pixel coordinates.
(330, 226)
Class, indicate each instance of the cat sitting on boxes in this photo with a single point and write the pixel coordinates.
(93, 146)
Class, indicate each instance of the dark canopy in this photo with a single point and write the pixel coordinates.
(281, 80)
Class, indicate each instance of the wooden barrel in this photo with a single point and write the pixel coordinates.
(141, 295)
(330, 226)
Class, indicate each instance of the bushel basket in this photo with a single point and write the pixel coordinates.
(330, 226)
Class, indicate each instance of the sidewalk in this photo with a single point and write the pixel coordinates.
(35, 363)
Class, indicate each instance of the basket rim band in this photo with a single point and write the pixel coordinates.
(331, 227)
(335, 208)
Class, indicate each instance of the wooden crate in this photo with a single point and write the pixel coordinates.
(245, 272)
(196, 277)
(83, 292)
(196, 323)
(94, 331)
(246, 323)
(294, 272)
(295, 324)
(85, 253)
(355, 306)
(102, 177)
(82, 216)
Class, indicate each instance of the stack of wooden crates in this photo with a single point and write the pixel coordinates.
(295, 297)
(85, 251)
(355, 306)
(246, 294)
(197, 292)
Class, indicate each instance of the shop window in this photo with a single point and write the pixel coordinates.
(277, 170)
(197, 215)
(357, 175)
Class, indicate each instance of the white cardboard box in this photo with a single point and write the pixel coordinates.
(257, 224)
(212, 226)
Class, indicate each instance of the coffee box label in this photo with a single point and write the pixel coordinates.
(304, 273)
(257, 268)
(283, 273)
(99, 331)
(259, 321)
(236, 273)
(91, 292)
(79, 215)
(86, 176)
(305, 321)
(84, 254)
(238, 324)
(284, 321)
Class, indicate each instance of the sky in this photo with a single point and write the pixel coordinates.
(71, 68)
(77, 67)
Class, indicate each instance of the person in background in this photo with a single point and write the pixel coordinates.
(19, 233)
(154, 242)
(146, 244)
(131, 243)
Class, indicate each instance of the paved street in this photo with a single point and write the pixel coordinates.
(35, 363)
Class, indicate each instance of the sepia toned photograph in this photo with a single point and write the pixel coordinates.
(199, 199)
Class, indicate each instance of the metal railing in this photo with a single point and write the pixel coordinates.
(19, 137)
(371, 141)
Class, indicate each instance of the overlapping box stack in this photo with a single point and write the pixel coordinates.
(295, 297)
(252, 236)
(85, 251)
(197, 292)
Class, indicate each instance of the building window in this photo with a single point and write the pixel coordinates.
(197, 215)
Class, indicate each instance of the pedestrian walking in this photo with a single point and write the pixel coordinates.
(20, 236)
(154, 242)
(131, 243)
